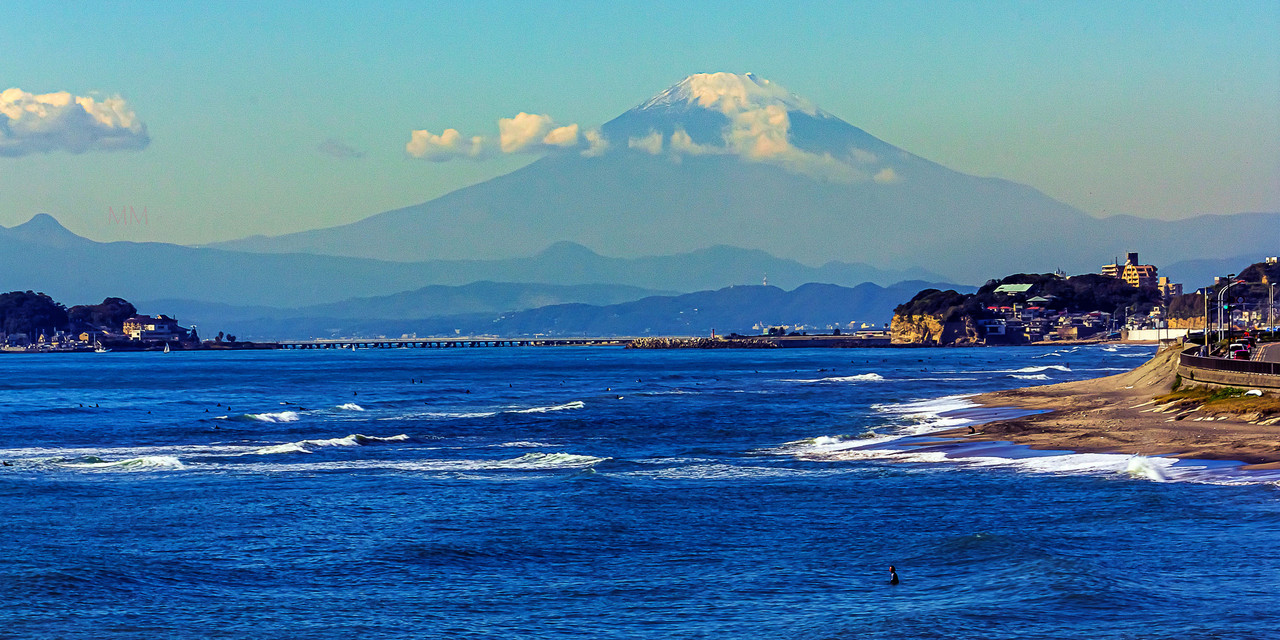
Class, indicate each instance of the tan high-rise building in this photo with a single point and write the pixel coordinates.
(1138, 275)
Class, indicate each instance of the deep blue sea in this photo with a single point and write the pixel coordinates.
(599, 493)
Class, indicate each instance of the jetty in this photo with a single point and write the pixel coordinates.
(448, 343)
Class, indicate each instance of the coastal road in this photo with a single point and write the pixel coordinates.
(1269, 353)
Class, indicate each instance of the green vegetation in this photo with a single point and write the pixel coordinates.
(30, 313)
(35, 314)
(111, 314)
(1220, 400)
(1082, 293)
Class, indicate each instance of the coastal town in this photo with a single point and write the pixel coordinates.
(1124, 301)
(33, 322)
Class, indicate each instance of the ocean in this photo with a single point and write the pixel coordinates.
(600, 492)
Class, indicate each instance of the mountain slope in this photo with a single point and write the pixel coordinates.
(729, 159)
(740, 309)
(42, 255)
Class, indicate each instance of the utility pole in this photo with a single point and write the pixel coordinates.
(1205, 294)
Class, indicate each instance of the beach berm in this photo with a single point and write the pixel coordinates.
(1138, 412)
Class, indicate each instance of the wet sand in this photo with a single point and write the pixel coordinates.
(1116, 414)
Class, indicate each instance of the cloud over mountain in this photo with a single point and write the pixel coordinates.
(43, 123)
(742, 115)
(523, 133)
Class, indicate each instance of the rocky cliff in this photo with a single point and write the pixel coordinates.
(933, 330)
(1186, 323)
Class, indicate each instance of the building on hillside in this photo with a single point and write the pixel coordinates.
(1137, 275)
(1013, 289)
(1168, 289)
(161, 327)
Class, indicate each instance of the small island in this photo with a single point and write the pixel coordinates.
(32, 322)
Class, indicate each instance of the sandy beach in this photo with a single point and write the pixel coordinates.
(1117, 414)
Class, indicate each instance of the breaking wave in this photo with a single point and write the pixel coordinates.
(862, 377)
(141, 463)
(551, 461)
(278, 416)
(576, 404)
(1050, 367)
(308, 446)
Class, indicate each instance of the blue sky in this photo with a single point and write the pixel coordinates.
(1160, 109)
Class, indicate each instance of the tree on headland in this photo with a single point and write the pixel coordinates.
(30, 313)
(1082, 293)
(109, 315)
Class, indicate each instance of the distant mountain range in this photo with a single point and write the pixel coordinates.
(43, 255)
(744, 309)
(737, 160)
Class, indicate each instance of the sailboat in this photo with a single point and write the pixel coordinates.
(166, 347)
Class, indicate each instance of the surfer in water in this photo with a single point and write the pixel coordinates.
(893, 575)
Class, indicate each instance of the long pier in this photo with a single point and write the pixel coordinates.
(448, 343)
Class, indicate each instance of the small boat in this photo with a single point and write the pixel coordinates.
(166, 347)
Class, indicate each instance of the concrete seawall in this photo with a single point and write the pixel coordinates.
(1222, 372)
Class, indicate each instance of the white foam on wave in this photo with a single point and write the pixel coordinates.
(306, 446)
(1029, 376)
(1035, 369)
(922, 416)
(1156, 469)
(724, 472)
(1053, 354)
(349, 406)
(550, 461)
(142, 463)
(278, 416)
(520, 444)
(862, 377)
(1050, 367)
(530, 465)
(929, 406)
(576, 404)
(441, 415)
(822, 447)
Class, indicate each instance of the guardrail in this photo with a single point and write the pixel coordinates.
(1224, 364)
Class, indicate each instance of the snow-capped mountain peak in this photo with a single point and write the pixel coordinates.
(728, 93)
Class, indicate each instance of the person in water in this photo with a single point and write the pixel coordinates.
(893, 575)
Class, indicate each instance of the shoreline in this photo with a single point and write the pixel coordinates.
(1117, 414)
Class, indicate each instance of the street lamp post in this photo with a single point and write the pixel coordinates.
(1271, 307)
(1221, 293)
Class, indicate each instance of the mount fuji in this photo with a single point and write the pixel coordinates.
(728, 159)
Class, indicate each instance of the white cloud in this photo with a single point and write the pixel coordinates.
(31, 123)
(886, 176)
(566, 136)
(525, 129)
(596, 144)
(523, 133)
(682, 143)
(444, 147)
(863, 156)
(651, 143)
